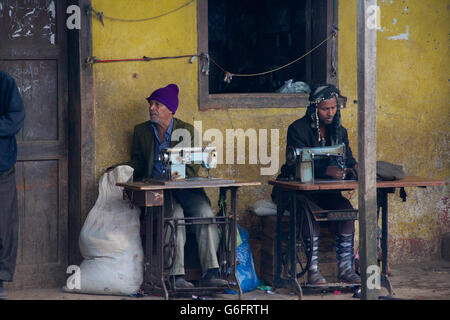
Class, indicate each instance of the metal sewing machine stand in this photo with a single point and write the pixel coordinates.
(303, 160)
(298, 254)
(157, 193)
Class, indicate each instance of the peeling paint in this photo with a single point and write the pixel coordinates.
(412, 117)
(401, 36)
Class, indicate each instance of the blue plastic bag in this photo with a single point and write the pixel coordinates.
(245, 270)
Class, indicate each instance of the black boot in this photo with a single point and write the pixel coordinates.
(345, 257)
(180, 282)
(314, 275)
(211, 279)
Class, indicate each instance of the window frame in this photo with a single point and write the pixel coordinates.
(209, 101)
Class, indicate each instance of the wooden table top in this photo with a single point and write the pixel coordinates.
(409, 181)
(189, 184)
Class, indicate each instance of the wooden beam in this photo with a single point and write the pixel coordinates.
(367, 201)
(82, 191)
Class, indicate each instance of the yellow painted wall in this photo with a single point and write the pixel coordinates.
(412, 99)
(413, 112)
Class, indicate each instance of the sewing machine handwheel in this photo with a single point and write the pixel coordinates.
(291, 155)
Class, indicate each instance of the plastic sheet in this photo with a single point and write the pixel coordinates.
(245, 271)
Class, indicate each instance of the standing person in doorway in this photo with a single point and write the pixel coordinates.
(12, 115)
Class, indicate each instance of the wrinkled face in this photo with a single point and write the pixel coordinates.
(159, 113)
(326, 110)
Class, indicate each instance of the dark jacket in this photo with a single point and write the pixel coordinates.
(142, 156)
(142, 149)
(12, 116)
(301, 134)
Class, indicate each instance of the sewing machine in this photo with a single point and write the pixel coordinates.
(175, 160)
(303, 159)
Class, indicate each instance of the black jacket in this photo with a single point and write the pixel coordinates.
(142, 149)
(142, 156)
(301, 134)
(12, 116)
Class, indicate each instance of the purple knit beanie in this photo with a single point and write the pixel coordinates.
(167, 95)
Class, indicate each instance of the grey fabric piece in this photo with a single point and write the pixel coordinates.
(206, 235)
(389, 171)
(9, 225)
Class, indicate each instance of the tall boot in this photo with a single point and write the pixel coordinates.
(345, 257)
(314, 275)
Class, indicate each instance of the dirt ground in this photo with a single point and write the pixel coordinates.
(423, 281)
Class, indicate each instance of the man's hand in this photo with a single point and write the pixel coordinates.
(336, 172)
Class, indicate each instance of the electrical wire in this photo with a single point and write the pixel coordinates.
(101, 16)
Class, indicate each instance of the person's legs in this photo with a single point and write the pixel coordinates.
(180, 233)
(9, 227)
(311, 241)
(197, 205)
(177, 270)
(345, 231)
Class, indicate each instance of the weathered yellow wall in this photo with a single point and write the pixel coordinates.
(120, 102)
(412, 112)
(412, 99)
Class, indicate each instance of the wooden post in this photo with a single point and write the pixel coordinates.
(367, 201)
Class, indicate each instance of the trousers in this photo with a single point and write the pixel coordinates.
(331, 200)
(9, 225)
(193, 204)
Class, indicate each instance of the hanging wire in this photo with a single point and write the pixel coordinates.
(205, 58)
(101, 16)
(230, 75)
(91, 60)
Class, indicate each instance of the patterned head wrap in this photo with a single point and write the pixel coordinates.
(318, 94)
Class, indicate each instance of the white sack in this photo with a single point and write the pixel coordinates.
(110, 241)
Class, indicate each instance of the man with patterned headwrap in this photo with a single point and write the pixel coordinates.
(321, 126)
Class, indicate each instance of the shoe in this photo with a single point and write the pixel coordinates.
(211, 279)
(350, 277)
(345, 257)
(314, 275)
(181, 283)
(3, 294)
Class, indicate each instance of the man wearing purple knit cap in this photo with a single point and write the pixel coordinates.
(149, 139)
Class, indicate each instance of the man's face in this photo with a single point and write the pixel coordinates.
(326, 110)
(159, 113)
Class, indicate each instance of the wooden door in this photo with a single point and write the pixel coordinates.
(33, 51)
